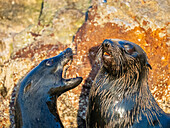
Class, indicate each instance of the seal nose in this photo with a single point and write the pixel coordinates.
(66, 56)
(68, 53)
(106, 43)
(68, 50)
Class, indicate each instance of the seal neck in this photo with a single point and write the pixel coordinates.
(51, 103)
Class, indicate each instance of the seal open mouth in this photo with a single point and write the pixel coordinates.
(65, 59)
(106, 54)
(66, 66)
(106, 51)
(109, 60)
(69, 83)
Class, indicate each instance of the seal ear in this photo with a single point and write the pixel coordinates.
(147, 64)
(27, 87)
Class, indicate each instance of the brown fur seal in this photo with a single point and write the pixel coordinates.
(120, 96)
(36, 98)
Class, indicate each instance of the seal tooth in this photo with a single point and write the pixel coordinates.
(66, 66)
(77, 75)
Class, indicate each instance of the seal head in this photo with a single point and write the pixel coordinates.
(35, 104)
(119, 55)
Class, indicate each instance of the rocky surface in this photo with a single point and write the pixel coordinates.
(144, 22)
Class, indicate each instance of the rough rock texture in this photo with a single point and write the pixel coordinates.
(144, 22)
(16, 15)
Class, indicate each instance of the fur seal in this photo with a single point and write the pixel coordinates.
(35, 104)
(120, 95)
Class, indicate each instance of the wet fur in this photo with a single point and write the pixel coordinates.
(120, 96)
(35, 103)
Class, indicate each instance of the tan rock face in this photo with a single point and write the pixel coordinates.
(142, 22)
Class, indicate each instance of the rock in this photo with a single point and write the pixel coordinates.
(144, 22)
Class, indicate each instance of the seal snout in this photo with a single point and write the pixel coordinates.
(67, 60)
(68, 53)
(67, 56)
(106, 45)
(107, 54)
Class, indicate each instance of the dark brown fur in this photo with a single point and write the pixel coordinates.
(120, 96)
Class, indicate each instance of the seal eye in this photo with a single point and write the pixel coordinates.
(129, 49)
(49, 62)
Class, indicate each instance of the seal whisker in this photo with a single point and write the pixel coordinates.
(123, 95)
(99, 55)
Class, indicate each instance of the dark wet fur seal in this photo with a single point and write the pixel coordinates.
(120, 96)
(35, 104)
